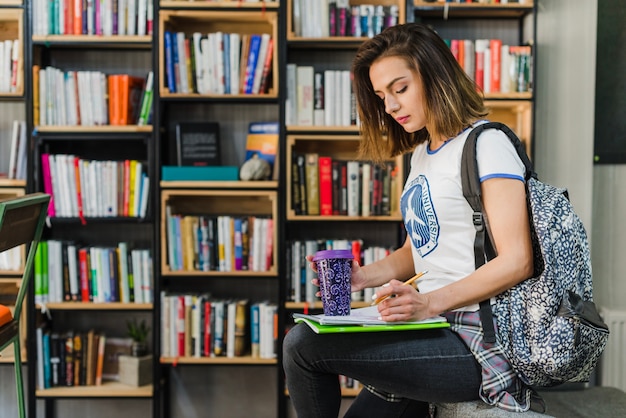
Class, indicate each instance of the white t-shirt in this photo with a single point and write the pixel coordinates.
(436, 215)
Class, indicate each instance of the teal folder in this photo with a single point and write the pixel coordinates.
(207, 173)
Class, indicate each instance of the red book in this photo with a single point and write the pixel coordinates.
(207, 328)
(454, 48)
(79, 195)
(78, 17)
(269, 245)
(267, 66)
(180, 326)
(47, 182)
(495, 45)
(479, 46)
(326, 185)
(83, 270)
(343, 208)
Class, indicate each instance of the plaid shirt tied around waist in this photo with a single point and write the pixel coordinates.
(500, 386)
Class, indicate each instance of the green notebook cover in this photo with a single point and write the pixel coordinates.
(334, 329)
(364, 320)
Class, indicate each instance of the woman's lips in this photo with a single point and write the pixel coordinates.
(402, 120)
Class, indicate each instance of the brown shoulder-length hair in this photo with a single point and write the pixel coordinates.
(452, 101)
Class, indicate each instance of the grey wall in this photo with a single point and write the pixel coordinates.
(566, 62)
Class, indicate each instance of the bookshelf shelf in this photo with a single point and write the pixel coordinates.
(323, 129)
(244, 360)
(339, 218)
(94, 129)
(11, 187)
(243, 185)
(318, 305)
(4, 273)
(472, 10)
(219, 4)
(11, 2)
(115, 41)
(236, 273)
(106, 390)
(271, 96)
(90, 306)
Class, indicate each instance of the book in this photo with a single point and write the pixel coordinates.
(364, 320)
(146, 101)
(262, 140)
(325, 185)
(130, 95)
(198, 144)
(312, 183)
(350, 328)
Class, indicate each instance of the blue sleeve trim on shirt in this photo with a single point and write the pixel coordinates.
(502, 176)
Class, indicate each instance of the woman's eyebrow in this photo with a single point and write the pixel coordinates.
(391, 83)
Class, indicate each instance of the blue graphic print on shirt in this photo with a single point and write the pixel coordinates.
(419, 215)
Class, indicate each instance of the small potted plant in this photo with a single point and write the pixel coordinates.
(136, 369)
(138, 332)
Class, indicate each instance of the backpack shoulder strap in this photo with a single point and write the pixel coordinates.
(469, 165)
(470, 180)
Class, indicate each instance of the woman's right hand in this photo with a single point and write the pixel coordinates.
(358, 281)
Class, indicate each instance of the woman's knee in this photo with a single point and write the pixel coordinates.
(295, 343)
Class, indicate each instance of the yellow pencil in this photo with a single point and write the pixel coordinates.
(410, 281)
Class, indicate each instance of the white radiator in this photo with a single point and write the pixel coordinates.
(613, 362)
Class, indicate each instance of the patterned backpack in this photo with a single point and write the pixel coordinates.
(547, 325)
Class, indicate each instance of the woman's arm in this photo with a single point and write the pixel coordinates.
(397, 265)
(504, 202)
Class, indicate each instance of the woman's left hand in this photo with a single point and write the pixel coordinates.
(404, 304)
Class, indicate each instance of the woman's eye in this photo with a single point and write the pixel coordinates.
(402, 90)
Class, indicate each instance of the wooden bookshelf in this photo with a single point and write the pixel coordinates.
(218, 202)
(339, 147)
(292, 36)
(12, 28)
(208, 21)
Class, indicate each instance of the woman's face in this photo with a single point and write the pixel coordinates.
(400, 88)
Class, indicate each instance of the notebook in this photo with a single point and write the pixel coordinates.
(364, 320)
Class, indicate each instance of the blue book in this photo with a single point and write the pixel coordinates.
(262, 139)
(253, 56)
(47, 375)
(169, 62)
(226, 51)
(238, 244)
(255, 330)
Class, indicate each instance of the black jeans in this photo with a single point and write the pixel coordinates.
(423, 366)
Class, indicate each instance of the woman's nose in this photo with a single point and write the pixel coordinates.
(391, 105)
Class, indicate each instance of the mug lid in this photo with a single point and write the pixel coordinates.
(325, 254)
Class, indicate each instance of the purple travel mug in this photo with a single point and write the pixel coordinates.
(334, 271)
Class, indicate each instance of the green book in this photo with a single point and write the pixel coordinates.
(364, 320)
